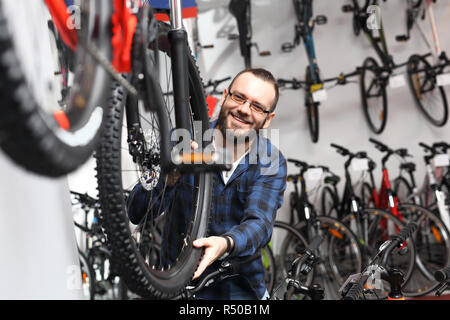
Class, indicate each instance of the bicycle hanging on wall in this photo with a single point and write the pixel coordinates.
(313, 83)
(426, 76)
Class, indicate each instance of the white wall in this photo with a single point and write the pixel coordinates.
(338, 50)
(38, 252)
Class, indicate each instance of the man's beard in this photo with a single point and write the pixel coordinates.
(236, 135)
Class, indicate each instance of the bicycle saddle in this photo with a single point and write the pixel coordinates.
(409, 166)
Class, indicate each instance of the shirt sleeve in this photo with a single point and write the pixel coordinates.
(265, 197)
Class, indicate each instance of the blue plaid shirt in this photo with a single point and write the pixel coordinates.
(244, 209)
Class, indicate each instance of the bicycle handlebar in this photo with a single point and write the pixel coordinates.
(357, 287)
(379, 145)
(215, 83)
(355, 290)
(341, 150)
(442, 275)
(227, 268)
(298, 163)
(443, 145)
(402, 152)
(426, 147)
(401, 237)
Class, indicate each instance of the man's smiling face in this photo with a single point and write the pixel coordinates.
(239, 119)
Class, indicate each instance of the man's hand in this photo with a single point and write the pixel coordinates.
(215, 247)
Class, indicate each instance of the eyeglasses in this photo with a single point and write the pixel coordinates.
(254, 106)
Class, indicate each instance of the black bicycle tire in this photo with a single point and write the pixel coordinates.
(271, 270)
(444, 233)
(292, 232)
(341, 227)
(400, 180)
(410, 71)
(334, 198)
(138, 277)
(376, 129)
(313, 120)
(33, 139)
(366, 189)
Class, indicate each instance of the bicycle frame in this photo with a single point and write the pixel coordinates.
(385, 198)
(306, 27)
(440, 60)
(124, 24)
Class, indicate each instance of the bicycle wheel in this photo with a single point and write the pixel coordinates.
(312, 110)
(430, 98)
(339, 253)
(402, 189)
(39, 130)
(287, 243)
(269, 266)
(366, 196)
(120, 167)
(432, 242)
(377, 227)
(373, 95)
(329, 202)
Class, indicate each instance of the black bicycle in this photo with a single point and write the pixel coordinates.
(374, 78)
(105, 282)
(339, 254)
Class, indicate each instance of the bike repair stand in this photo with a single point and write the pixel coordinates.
(39, 257)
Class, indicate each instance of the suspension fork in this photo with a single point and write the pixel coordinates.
(180, 73)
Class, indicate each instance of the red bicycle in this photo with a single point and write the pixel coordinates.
(431, 238)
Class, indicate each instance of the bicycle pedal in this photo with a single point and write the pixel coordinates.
(347, 8)
(321, 20)
(287, 47)
(264, 53)
(233, 36)
(401, 38)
